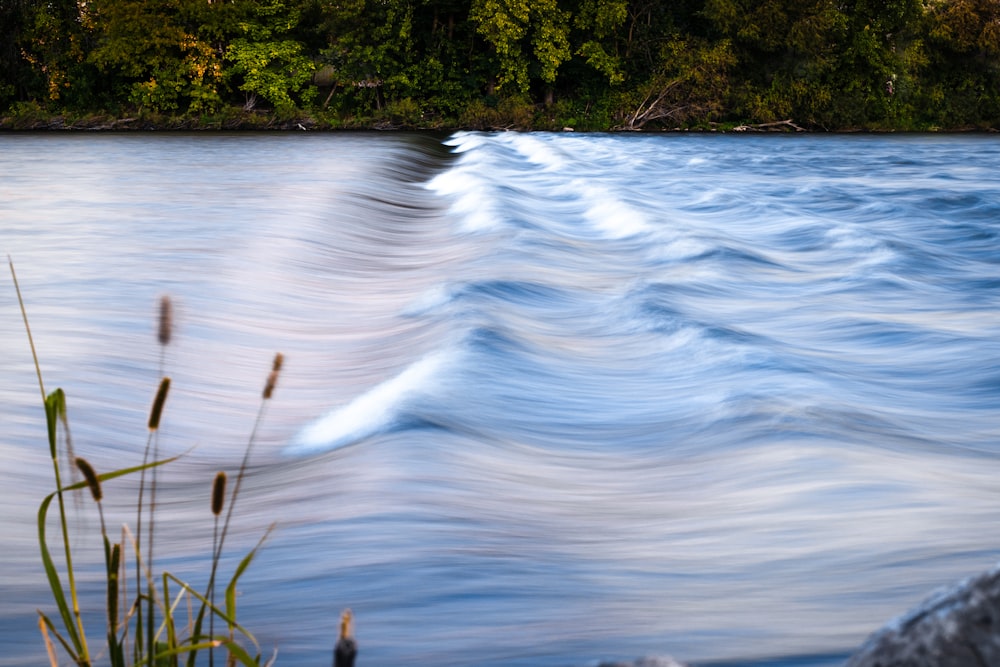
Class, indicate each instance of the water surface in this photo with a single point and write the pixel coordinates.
(548, 399)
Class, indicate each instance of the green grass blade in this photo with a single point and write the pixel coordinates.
(240, 569)
(55, 583)
(218, 612)
(168, 618)
(237, 651)
(55, 411)
(105, 476)
(52, 628)
(54, 404)
(175, 651)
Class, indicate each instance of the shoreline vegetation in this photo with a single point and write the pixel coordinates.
(553, 65)
(242, 121)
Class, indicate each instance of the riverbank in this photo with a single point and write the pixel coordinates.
(236, 120)
(158, 122)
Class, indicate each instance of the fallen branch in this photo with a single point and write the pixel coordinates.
(762, 127)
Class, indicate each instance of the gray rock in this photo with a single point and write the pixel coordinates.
(650, 661)
(957, 626)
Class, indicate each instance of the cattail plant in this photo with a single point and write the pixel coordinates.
(272, 378)
(156, 411)
(166, 322)
(163, 334)
(154, 643)
(346, 649)
(112, 560)
(218, 500)
(94, 484)
(152, 443)
(268, 391)
(218, 494)
(269, 385)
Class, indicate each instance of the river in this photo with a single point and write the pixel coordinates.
(548, 399)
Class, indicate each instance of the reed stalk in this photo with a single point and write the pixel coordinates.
(155, 414)
(218, 500)
(164, 333)
(269, 386)
(55, 411)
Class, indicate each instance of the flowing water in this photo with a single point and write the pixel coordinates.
(547, 400)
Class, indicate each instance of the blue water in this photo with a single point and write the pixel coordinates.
(549, 399)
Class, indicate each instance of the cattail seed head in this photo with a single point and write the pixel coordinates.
(166, 320)
(116, 558)
(116, 555)
(272, 378)
(346, 649)
(345, 624)
(93, 483)
(218, 493)
(157, 410)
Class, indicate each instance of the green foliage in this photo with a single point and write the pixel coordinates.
(275, 70)
(602, 61)
(436, 63)
(509, 113)
(691, 85)
(960, 70)
(510, 26)
(550, 37)
(265, 59)
(52, 42)
(504, 24)
(174, 66)
(404, 113)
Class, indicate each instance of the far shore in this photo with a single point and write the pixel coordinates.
(241, 121)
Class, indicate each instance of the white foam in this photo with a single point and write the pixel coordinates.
(679, 248)
(375, 411)
(466, 141)
(859, 248)
(454, 182)
(466, 190)
(611, 216)
(430, 301)
(536, 151)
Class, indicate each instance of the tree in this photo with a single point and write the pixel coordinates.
(961, 79)
(158, 53)
(600, 21)
(834, 63)
(372, 51)
(53, 41)
(528, 36)
(691, 84)
(13, 70)
(872, 74)
(265, 59)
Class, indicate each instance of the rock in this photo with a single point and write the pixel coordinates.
(652, 661)
(957, 626)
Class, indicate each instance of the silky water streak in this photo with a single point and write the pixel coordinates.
(548, 399)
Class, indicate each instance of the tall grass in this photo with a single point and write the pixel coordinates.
(144, 626)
